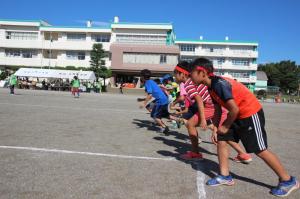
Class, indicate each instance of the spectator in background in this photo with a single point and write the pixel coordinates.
(12, 83)
(75, 86)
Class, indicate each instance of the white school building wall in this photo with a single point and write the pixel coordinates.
(39, 44)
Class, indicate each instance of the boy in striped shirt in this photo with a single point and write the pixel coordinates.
(200, 113)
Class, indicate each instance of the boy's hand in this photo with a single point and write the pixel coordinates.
(222, 130)
(142, 105)
(214, 137)
(203, 124)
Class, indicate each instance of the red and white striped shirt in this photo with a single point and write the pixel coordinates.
(201, 90)
(193, 90)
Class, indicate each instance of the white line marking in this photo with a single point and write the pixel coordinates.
(85, 153)
(200, 181)
(73, 108)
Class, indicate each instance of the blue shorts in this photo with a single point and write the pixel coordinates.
(160, 111)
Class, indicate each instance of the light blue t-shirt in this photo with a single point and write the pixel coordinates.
(152, 88)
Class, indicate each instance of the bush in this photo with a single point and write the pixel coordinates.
(261, 94)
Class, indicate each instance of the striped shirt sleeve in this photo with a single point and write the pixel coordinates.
(203, 92)
(191, 89)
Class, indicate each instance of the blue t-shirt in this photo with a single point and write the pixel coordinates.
(152, 88)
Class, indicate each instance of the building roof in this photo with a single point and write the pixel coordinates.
(24, 22)
(261, 76)
(224, 42)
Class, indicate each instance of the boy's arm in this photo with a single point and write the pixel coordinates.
(178, 99)
(217, 114)
(185, 110)
(200, 104)
(233, 111)
(147, 99)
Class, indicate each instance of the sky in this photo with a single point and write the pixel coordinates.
(274, 24)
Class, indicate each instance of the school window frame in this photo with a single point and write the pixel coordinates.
(240, 62)
(76, 36)
(163, 59)
(187, 47)
(81, 55)
(75, 55)
(100, 37)
(14, 35)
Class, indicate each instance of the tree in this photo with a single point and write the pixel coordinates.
(98, 64)
(284, 74)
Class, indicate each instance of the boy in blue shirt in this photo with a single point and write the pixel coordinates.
(160, 108)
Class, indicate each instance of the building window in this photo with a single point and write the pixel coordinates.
(151, 58)
(100, 38)
(240, 62)
(22, 35)
(163, 59)
(221, 61)
(239, 75)
(22, 53)
(188, 59)
(187, 48)
(76, 36)
(241, 50)
(141, 39)
(213, 49)
(75, 55)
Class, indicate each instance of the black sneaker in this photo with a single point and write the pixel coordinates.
(166, 131)
(178, 122)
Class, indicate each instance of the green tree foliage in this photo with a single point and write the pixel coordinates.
(284, 74)
(97, 63)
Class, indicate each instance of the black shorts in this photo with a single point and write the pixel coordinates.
(192, 110)
(251, 131)
(160, 111)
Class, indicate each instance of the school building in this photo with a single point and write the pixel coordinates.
(132, 47)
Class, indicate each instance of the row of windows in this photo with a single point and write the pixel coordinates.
(187, 48)
(101, 38)
(70, 36)
(141, 39)
(221, 61)
(208, 48)
(76, 36)
(143, 58)
(240, 62)
(82, 37)
(75, 55)
(21, 53)
(234, 74)
(22, 35)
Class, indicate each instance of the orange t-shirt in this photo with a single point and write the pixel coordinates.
(223, 89)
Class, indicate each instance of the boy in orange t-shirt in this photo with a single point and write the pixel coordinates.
(245, 121)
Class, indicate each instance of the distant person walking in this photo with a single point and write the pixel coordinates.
(12, 83)
(75, 86)
(97, 86)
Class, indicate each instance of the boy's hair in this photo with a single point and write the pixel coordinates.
(75, 77)
(146, 73)
(182, 65)
(157, 80)
(202, 64)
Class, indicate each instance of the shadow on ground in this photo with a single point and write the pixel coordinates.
(207, 166)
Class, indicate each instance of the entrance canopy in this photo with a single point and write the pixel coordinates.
(52, 73)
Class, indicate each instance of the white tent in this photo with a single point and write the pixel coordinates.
(52, 73)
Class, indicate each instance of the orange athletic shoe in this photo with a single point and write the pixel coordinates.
(192, 156)
(243, 158)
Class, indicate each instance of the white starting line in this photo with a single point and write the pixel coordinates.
(200, 175)
(84, 153)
